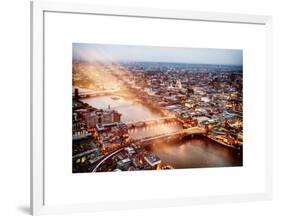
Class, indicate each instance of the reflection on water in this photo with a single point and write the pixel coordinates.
(195, 152)
(190, 153)
(130, 110)
(149, 131)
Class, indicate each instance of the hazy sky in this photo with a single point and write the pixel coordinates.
(117, 53)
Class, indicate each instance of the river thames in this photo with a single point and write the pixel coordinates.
(192, 152)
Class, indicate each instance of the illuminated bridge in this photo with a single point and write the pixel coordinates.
(150, 122)
(91, 93)
(147, 140)
(178, 134)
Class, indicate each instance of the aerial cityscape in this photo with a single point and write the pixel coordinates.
(155, 108)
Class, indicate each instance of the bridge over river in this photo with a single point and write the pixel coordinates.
(147, 122)
(178, 134)
(148, 140)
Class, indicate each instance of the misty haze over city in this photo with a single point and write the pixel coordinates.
(155, 108)
(128, 53)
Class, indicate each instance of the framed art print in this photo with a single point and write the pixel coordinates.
(138, 107)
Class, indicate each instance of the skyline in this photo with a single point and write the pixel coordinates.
(155, 116)
(132, 53)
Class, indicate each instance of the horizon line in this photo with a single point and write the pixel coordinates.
(172, 62)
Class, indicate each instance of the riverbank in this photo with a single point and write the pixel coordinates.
(195, 152)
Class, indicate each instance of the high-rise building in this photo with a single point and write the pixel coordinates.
(76, 94)
(178, 84)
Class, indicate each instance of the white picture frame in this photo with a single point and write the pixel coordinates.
(38, 9)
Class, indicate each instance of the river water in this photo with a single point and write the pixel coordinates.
(193, 152)
(196, 152)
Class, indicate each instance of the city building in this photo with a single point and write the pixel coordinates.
(153, 160)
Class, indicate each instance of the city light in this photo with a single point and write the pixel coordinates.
(142, 115)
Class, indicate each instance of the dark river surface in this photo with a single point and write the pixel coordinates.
(192, 152)
(195, 152)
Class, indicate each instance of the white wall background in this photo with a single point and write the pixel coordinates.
(14, 105)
